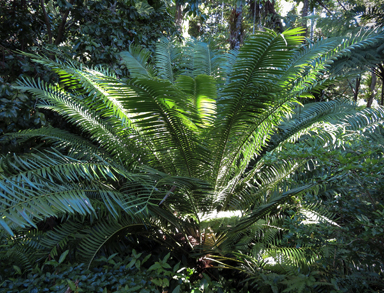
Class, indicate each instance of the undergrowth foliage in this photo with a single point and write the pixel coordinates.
(137, 272)
(179, 143)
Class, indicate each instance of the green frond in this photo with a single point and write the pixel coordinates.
(365, 121)
(209, 61)
(57, 240)
(24, 248)
(202, 91)
(288, 257)
(54, 166)
(20, 205)
(203, 63)
(166, 115)
(74, 75)
(315, 213)
(163, 150)
(257, 239)
(77, 112)
(258, 184)
(358, 53)
(104, 231)
(311, 119)
(136, 60)
(307, 61)
(166, 55)
(185, 194)
(59, 138)
(44, 184)
(95, 88)
(270, 205)
(246, 99)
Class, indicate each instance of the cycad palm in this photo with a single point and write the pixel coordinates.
(167, 146)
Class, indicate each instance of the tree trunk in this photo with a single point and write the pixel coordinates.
(325, 7)
(47, 22)
(236, 27)
(254, 9)
(60, 33)
(179, 16)
(304, 13)
(372, 91)
(382, 92)
(356, 89)
(222, 12)
(273, 21)
(312, 23)
(381, 75)
(254, 16)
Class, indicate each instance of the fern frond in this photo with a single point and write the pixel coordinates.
(103, 231)
(210, 62)
(136, 60)
(166, 55)
(365, 121)
(72, 108)
(45, 184)
(59, 138)
(266, 208)
(245, 98)
(202, 92)
(315, 214)
(57, 239)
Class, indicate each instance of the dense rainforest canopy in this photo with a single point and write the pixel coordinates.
(191, 146)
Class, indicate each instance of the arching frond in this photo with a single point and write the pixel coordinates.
(267, 207)
(44, 184)
(202, 92)
(59, 138)
(23, 252)
(367, 52)
(136, 60)
(55, 241)
(316, 214)
(365, 121)
(246, 97)
(95, 87)
(166, 120)
(209, 61)
(104, 231)
(165, 55)
(77, 112)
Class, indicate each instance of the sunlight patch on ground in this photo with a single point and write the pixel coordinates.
(218, 215)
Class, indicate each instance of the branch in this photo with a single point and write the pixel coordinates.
(168, 194)
(322, 5)
(60, 33)
(47, 23)
(341, 4)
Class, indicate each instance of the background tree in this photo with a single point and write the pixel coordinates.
(91, 31)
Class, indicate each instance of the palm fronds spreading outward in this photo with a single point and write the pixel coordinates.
(173, 144)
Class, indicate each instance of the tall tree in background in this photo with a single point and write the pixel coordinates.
(263, 13)
(95, 31)
(379, 72)
(91, 31)
(304, 14)
(236, 28)
(335, 18)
